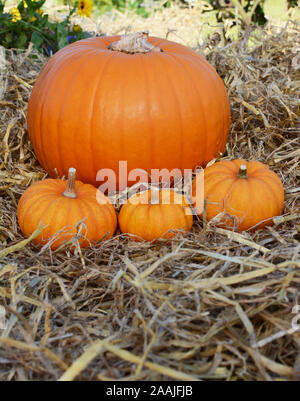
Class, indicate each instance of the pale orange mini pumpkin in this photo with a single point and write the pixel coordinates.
(60, 205)
(244, 194)
(150, 219)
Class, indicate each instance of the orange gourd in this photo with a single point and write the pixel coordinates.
(59, 206)
(148, 101)
(244, 194)
(151, 216)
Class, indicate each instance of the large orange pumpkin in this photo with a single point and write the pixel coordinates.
(99, 101)
(244, 194)
(60, 206)
(150, 219)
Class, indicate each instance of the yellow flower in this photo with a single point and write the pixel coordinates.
(76, 28)
(39, 11)
(84, 7)
(16, 16)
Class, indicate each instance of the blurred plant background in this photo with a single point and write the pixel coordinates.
(27, 22)
(50, 25)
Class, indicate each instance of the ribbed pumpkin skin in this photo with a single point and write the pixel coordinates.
(92, 107)
(147, 221)
(248, 201)
(44, 202)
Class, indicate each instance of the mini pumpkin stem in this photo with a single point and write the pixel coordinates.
(70, 191)
(243, 171)
(134, 43)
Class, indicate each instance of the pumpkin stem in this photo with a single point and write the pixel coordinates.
(134, 43)
(70, 191)
(243, 171)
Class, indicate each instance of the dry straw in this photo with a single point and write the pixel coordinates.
(209, 305)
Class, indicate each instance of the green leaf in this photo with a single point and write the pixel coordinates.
(233, 33)
(8, 37)
(21, 7)
(295, 13)
(107, 2)
(37, 40)
(209, 24)
(35, 5)
(276, 10)
(21, 42)
(62, 36)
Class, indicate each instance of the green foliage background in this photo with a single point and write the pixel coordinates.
(49, 36)
(223, 6)
(35, 27)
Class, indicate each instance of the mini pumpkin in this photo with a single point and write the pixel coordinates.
(152, 102)
(151, 215)
(244, 194)
(60, 206)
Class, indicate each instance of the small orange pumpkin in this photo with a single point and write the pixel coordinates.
(151, 217)
(60, 205)
(245, 194)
